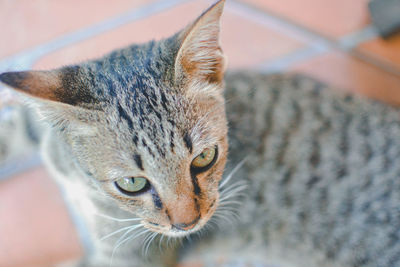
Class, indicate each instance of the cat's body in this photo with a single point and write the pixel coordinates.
(323, 175)
(321, 168)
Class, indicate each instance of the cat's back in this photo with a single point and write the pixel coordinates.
(323, 168)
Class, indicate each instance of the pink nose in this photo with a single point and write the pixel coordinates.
(186, 226)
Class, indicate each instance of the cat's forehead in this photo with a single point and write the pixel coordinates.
(158, 126)
(142, 104)
(159, 118)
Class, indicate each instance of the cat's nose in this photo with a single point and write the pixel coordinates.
(186, 226)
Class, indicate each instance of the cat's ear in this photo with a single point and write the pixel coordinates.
(62, 97)
(58, 86)
(200, 56)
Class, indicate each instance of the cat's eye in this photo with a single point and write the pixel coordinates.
(205, 160)
(132, 185)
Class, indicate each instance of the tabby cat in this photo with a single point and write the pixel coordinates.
(139, 141)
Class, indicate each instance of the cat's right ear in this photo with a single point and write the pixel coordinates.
(60, 86)
(200, 57)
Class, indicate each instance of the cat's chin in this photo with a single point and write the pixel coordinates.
(170, 231)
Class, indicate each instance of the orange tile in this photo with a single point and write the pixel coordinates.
(351, 74)
(35, 228)
(332, 18)
(245, 43)
(385, 50)
(28, 23)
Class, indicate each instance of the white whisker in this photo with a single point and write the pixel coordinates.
(146, 240)
(228, 213)
(239, 186)
(120, 230)
(212, 224)
(148, 244)
(126, 240)
(233, 186)
(189, 239)
(118, 219)
(229, 202)
(230, 175)
(232, 191)
(168, 241)
(227, 208)
(232, 195)
(160, 243)
(223, 217)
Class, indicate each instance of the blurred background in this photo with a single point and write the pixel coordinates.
(336, 41)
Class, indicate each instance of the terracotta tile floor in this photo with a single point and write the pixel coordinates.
(331, 18)
(386, 51)
(30, 23)
(288, 35)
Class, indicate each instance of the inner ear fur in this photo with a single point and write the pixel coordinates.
(200, 56)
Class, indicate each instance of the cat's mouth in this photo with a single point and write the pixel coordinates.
(171, 230)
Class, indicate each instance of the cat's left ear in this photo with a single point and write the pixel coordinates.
(200, 56)
(60, 86)
(62, 96)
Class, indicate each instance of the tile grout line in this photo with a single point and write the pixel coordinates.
(282, 63)
(280, 24)
(352, 40)
(25, 59)
(346, 43)
(316, 44)
(23, 164)
(350, 43)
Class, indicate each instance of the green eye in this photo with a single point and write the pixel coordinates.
(205, 160)
(132, 185)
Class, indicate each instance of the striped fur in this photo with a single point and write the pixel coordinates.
(321, 169)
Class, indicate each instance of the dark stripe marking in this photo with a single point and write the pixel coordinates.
(188, 142)
(168, 216)
(171, 141)
(313, 180)
(156, 199)
(164, 100)
(197, 205)
(124, 115)
(135, 139)
(196, 187)
(138, 160)
(211, 205)
(148, 148)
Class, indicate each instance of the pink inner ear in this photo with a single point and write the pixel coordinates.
(200, 56)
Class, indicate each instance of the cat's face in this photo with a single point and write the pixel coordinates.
(147, 123)
(164, 165)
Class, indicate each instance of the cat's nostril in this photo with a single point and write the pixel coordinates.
(186, 226)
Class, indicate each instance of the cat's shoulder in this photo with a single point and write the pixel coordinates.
(298, 88)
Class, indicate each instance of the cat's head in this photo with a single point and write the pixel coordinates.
(147, 123)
